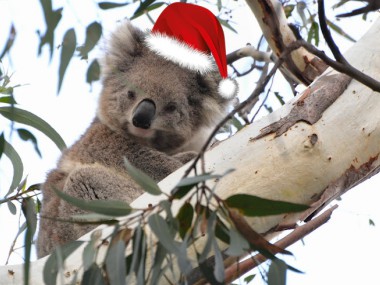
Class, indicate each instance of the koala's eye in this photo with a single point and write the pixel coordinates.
(202, 83)
(170, 108)
(131, 95)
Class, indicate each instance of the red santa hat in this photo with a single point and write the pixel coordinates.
(192, 37)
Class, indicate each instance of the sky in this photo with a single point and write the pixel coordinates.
(341, 252)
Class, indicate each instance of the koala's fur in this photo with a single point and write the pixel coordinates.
(187, 107)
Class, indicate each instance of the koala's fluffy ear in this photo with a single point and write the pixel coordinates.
(125, 43)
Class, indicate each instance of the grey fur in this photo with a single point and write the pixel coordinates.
(187, 107)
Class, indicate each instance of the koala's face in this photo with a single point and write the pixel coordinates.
(156, 101)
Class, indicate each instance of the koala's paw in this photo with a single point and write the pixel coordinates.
(186, 156)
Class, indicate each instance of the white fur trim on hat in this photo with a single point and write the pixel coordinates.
(227, 88)
(180, 53)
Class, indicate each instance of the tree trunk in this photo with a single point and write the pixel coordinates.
(325, 139)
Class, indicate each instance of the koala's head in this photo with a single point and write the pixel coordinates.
(159, 102)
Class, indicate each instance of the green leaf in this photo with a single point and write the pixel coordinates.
(10, 41)
(52, 19)
(8, 99)
(160, 228)
(340, 31)
(142, 179)
(110, 5)
(2, 144)
(279, 98)
(249, 278)
(28, 209)
(67, 51)
(28, 136)
(227, 25)
(159, 258)
(288, 9)
(141, 11)
(185, 218)
(93, 72)
(93, 275)
(207, 272)
(313, 33)
(187, 183)
(371, 222)
(12, 208)
(93, 218)
(219, 264)
(28, 118)
(56, 259)
(18, 167)
(89, 251)
(277, 272)
(93, 34)
(254, 206)
(106, 207)
(238, 244)
(115, 263)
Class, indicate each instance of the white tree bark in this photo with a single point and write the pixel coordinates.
(335, 152)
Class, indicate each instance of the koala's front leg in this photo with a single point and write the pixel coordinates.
(157, 164)
(93, 182)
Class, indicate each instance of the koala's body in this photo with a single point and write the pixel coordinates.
(152, 111)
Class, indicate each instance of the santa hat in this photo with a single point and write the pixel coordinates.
(192, 37)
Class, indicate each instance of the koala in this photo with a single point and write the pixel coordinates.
(152, 111)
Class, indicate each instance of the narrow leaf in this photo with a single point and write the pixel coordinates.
(115, 263)
(254, 206)
(185, 218)
(51, 267)
(161, 230)
(110, 5)
(227, 25)
(10, 41)
(2, 144)
(12, 208)
(219, 265)
(142, 179)
(340, 31)
(157, 263)
(147, 9)
(28, 209)
(18, 167)
(28, 136)
(93, 72)
(93, 34)
(256, 241)
(8, 100)
(93, 275)
(67, 51)
(106, 207)
(207, 272)
(277, 272)
(186, 184)
(238, 244)
(28, 118)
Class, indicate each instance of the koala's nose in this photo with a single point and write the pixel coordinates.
(144, 114)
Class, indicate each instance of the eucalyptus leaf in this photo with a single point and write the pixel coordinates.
(59, 255)
(93, 275)
(12, 208)
(115, 263)
(28, 208)
(219, 264)
(28, 136)
(185, 217)
(142, 179)
(18, 167)
(28, 118)
(93, 72)
(159, 258)
(111, 5)
(93, 34)
(10, 41)
(238, 244)
(277, 272)
(254, 206)
(105, 207)
(8, 100)
(160, 228)
(67, 51)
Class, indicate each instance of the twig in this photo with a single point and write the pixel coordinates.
(238, 269)
(327, 35)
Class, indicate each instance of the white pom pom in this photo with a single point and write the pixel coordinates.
(227, 88)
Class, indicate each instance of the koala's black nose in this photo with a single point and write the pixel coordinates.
(144, 114)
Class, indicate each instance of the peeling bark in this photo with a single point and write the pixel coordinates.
(303, 66)
(310, 106)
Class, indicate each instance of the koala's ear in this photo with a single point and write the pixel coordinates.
(125, 43)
